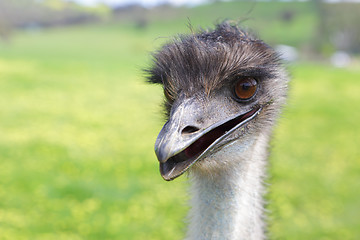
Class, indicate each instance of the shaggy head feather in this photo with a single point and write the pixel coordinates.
(207, 60)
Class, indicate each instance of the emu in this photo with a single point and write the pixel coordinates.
(224, 90)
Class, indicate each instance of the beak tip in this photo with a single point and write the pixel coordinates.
(162, 156)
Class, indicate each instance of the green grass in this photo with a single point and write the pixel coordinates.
(76, 144)
(78, 124)
(315, 160)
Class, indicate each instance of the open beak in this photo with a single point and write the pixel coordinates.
(182, 142)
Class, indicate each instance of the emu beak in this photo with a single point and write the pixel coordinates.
(184, 139)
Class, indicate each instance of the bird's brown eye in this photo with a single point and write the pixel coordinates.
(245, 88)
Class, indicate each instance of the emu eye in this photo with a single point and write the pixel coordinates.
(245, 88)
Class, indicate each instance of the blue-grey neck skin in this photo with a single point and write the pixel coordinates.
(227, 201)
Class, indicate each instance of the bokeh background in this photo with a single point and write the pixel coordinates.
(78, 122)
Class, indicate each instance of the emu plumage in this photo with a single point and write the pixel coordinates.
(224, 90)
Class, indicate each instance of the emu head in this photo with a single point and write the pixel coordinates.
(222, 88)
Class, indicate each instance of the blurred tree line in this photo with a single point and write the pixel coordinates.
(35, 14)
(338, 28)
(336, 23)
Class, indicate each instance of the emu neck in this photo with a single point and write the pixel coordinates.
(228, 204)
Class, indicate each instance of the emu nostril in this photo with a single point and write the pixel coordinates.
(189, 129)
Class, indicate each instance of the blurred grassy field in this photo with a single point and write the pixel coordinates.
(78, 124)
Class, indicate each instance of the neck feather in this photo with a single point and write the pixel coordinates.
(228, 204)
